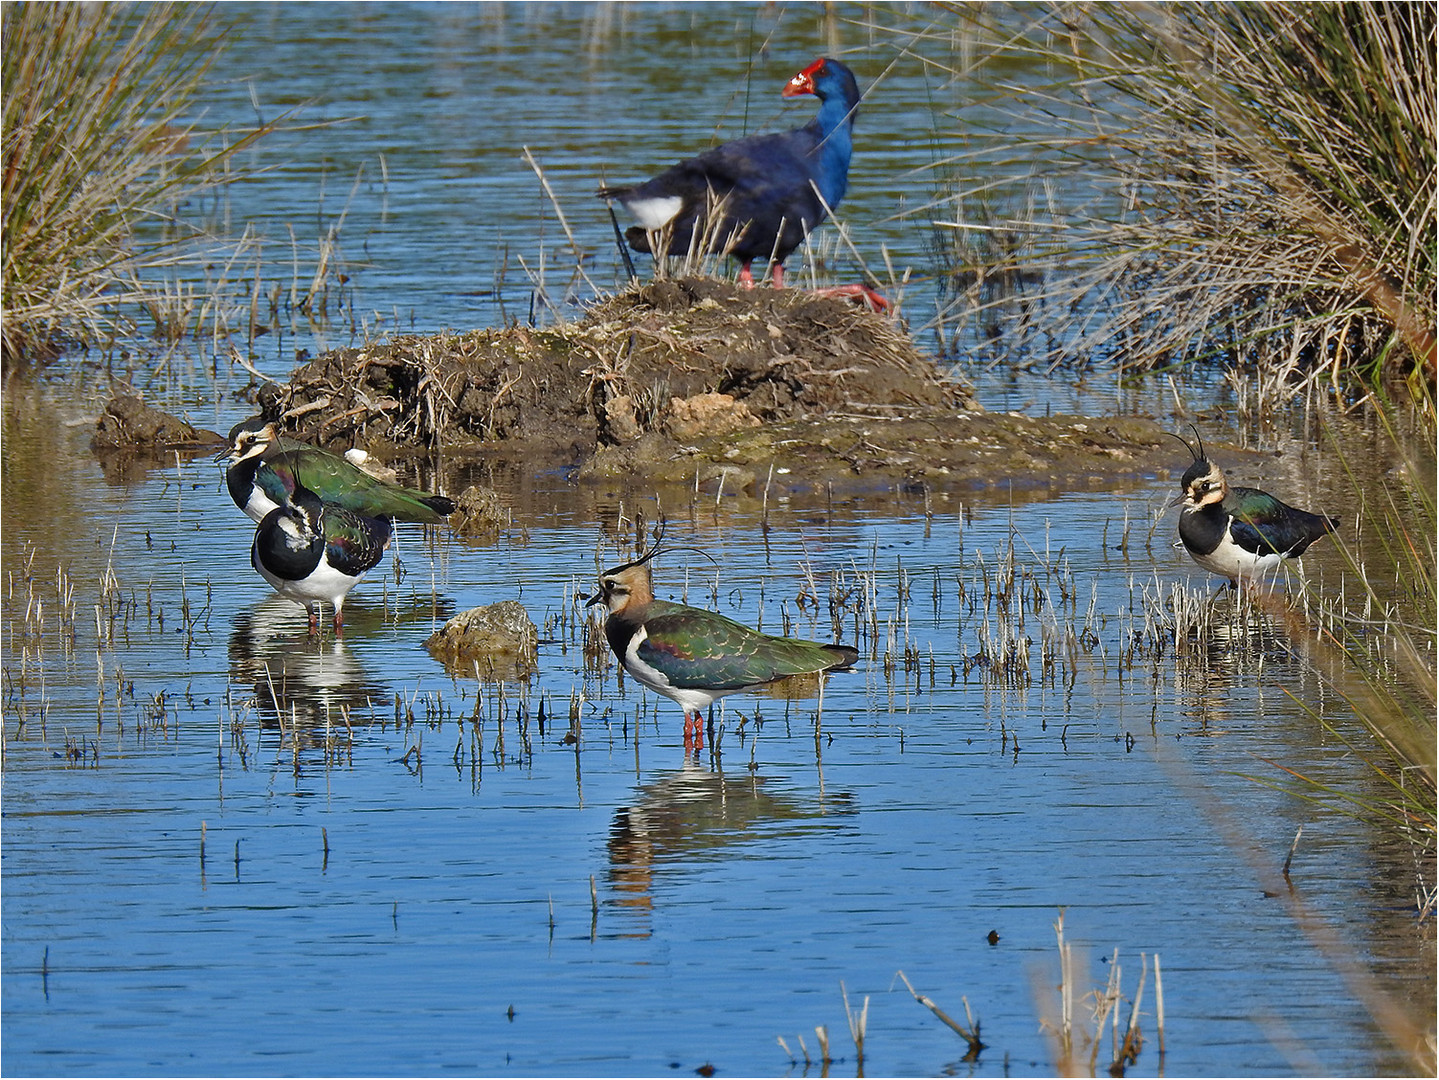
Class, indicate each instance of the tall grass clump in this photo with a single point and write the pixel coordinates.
(99, 136)
(1252, 184)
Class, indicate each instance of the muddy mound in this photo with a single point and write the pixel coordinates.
(785, 354)
(672, 358)
(699, 382)
(129, 424)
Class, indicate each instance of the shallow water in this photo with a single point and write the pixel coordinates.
(360, 910)
(229, 849)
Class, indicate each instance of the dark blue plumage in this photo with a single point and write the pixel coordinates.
(771, 190)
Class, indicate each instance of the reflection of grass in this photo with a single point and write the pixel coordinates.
(1375, 642)
(98, 141)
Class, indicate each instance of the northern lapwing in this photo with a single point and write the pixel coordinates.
(266, 468)
(1240, 533)
(693, 656)
(314, 554)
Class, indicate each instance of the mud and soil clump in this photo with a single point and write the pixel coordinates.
(495, 641)
(127, 423)
(692, 380)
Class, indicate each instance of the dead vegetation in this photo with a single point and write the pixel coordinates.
(613, 374)
(686, 380)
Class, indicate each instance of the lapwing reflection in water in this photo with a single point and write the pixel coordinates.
(698, 814)
(311, 681)
(1243, 644)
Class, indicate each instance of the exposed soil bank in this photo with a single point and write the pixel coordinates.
(695, 380)
(128, 423)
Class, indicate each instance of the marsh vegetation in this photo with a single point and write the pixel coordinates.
(1058, 721)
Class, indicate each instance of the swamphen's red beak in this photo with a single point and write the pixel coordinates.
(803, 83)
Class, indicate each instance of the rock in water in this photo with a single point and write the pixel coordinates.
(500, 639)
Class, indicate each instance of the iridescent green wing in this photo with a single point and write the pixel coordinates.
(1263, 524)
(339, 483)
(703, 649)
(1254, 513)
(354, 543)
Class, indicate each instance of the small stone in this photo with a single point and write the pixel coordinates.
(621, 423)
(730, 478)
(707, 414)
(500, 638)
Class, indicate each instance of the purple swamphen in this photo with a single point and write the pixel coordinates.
(758, 197)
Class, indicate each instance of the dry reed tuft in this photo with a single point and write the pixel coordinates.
(1251, 183)
(1076, 1050)
(100, 143)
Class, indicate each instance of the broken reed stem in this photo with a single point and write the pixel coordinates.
(1292, 849)
(559, 214)
(1128, 1051)
(1105, 1010)
(969, 1034)
(857, 1022)
(1066, 994)
(1159, 1004)
(821, 1033)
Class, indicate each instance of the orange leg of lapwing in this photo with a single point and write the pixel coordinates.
(339, 624)
(694, 732)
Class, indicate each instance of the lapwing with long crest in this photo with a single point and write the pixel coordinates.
(314, 553)
(1240, 533)
(265, 468)
(693, 656)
